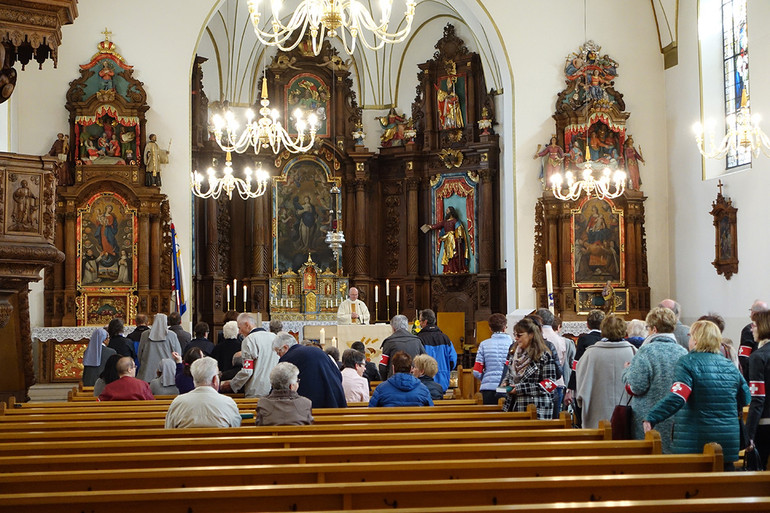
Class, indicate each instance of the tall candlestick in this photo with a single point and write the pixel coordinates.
(387, 287)
(323, 337)
(245, 295)
(235, 293)
(549, 285)
(228, 296)
(398, 292)
(376, 293)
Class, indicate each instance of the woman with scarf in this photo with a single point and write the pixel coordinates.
(165, 382)
(156, 343)
(531, 374)
(95, 357)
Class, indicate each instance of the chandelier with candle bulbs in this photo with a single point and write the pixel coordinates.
(228, 182)
(743, 131)
(348, 19)
(609, 185)
(266, 132)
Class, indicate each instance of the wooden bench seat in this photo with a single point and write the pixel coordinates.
(401, 494)
(370, 471)
(128, 422)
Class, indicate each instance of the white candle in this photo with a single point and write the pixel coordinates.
(387, 287)
(334, 341)
(235, 290)
(398, 292)
(245, 295)
(323, 337)
(549, 285)
(376, 294)
(228, 293)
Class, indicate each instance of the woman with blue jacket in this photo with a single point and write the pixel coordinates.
(491, 357)
(401, 389)
(707, 394)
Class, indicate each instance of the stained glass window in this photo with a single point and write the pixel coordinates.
(735, 50)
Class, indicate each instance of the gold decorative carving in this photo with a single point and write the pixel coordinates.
(451, 158)
(68, 361)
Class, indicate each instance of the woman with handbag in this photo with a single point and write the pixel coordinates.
(599, 382)
(707, 393)
(649, 376)
(758, 422)
(531, 374)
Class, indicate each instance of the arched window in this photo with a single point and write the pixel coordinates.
(735, 52)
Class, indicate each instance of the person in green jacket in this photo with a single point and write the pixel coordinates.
(707, 395)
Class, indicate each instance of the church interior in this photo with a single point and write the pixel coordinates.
(428, 183)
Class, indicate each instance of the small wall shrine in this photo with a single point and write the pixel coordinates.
(112, 222)
(596, 245)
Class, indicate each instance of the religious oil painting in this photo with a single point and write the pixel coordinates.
(301, 203)
(453, 232)
(310, 94)
(97, 309)
(598, 244)
(107, 243)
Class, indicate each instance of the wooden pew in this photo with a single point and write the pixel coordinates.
(556, 441)
(129, 422)
(371, 471)
(364, 496)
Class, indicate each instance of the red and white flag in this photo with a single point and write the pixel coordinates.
(478, 367)
(681, 390)
(757, 388)
(744, 351)
(248, 364)
(384, 359)
(574, 364)
(548, 385)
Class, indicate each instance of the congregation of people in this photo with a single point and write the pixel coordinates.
(688, 382)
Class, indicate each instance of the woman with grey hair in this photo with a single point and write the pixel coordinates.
(227, 346)
(165, 382)
(284, 406)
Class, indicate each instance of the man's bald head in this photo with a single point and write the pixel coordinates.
(671, 305)
(126, 366)
(353, 293)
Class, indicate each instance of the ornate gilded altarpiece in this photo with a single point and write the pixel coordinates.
(592, 243)
(386, 196)
(113, 229)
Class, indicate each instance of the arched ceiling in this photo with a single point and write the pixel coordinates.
(382, 78)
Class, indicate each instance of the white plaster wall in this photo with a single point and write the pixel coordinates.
(694, 281)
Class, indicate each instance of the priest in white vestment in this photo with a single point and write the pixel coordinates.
(352, 310)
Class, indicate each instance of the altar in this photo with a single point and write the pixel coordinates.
(343, 335)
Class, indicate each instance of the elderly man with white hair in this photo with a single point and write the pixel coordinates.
(352, 310)
(401, 340)
(204, 406)
(258, 359)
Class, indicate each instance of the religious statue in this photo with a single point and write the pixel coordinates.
(554, 157)
(632, 157)
(60, 149)
(453, 236)
(24, 208)
(106, 74)
(153, 158)
(449, 110)
(358, 134)
(485, 123)
(394, 125)
(608, 295)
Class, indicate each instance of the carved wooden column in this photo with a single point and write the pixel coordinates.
(263, 235)
(361, 266)
(486, 236)
(144, 252)
(155, 243)
(212, 236)
(70, 270)
(412, 222)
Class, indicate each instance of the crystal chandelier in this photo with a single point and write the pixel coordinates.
(608, 186)
(349, 19)
(742, 132)
(228, 183)
(266, 132)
